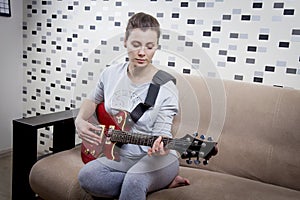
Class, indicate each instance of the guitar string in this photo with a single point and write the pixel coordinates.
(126, 137)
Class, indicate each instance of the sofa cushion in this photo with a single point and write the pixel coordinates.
(55, 177)
(208, 185)
(260, 138)
(205, 185)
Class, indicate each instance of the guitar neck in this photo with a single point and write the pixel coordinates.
(186, 146)
(138, 139)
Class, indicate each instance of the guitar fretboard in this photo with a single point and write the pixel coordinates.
(186, 146)
(138, 139)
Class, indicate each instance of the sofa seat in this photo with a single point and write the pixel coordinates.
(67, 164)
(205, 184)
(209, 185)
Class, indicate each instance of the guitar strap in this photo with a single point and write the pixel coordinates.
(161, 77)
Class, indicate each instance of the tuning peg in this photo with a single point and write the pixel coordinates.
(205, 162)
(196, 142)
(201, 154)
(210, 138)
(189, 161)
(188, 139)
(197, 162)
(202, 137)
(195, 134)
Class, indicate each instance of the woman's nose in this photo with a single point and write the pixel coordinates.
(141, 51)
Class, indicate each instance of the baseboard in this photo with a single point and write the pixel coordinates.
(5, 152)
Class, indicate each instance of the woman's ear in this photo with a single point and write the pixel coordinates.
(125, 41)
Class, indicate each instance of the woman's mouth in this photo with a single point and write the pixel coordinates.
(140, 61)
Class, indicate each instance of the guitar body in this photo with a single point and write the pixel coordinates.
(107, 148)
(90, 151)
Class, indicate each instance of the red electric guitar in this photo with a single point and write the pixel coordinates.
(115, 132)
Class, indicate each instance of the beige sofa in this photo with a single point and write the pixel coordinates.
(258, 133)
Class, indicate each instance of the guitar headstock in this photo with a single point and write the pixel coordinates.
(201, 148)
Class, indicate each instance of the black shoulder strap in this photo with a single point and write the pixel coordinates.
(161, 77)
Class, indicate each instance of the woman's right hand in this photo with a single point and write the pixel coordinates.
(86, 131)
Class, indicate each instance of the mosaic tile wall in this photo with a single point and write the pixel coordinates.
(67, 43)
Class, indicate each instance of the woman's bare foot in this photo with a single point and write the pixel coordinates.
(178, 182)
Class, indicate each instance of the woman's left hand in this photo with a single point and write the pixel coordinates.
(158, 148)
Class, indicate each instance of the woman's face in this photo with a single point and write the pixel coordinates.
(141, 46)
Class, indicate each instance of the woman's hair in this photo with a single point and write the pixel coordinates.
(143, 21)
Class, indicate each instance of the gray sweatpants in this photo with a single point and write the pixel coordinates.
(128, 179)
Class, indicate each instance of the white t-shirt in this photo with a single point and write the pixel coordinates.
(119, 93)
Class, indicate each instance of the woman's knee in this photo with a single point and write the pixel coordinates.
(136, 181)
(84, 178)
(86, 175)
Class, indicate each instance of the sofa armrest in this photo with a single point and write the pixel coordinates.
(25, 136)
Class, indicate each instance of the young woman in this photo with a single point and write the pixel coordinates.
(141, 169)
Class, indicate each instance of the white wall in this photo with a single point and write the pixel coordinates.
(67, 42)
(11, 72)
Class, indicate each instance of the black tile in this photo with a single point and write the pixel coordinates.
(175, 15)
(269, 68)
(171, 64)
(245, 17)
(201, 4)
(238, 77)
(223, 52)
(258, 79)
(231, 59)
(234, 35)
(252, 48)
(207, 33)
(186, 71)
(189, 44)
(278, 5)
(263, 37)
(191, 21)
(257, 5)
(216, 28)
(184, 4)
(226, 17)
(250, 60)
(296, 32)
(288, 12)
(284, 44)
(291, 71)
(205, 45)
